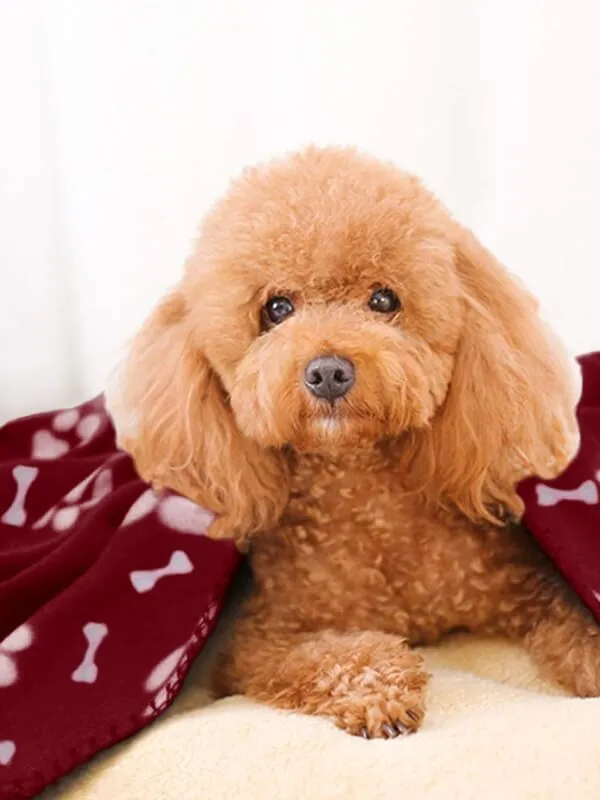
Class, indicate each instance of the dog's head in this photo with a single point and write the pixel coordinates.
(331, 302)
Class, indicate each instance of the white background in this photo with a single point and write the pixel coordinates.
(122, 120)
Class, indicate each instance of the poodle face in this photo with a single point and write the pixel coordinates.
(332, 313)
(331, 302)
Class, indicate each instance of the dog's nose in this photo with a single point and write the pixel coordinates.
(329, 377)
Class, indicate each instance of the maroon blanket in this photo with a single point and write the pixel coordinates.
(108, 590)
(564, 514)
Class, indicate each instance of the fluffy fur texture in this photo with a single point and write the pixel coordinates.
(389, 518)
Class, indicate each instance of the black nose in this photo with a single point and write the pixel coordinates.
(329, 377)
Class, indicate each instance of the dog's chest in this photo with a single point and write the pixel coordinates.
(360, 551)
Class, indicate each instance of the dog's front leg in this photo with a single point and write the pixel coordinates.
(565, 643)
(368, 683)
(558, 631)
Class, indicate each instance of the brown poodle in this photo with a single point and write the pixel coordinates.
(355, 385)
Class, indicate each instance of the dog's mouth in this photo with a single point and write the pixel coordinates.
(334, 422)
(329, 424)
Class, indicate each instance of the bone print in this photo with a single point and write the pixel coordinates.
(144, 505)
(163, 671)
(8, 670)
(46, 446)
(77, 492)
(163, 680)
(88, 427)
(7, 751)
(44, 520)
(87, 671)
(102, 486)
(66, 420)
(586, 493)
(20, 639)
(16, 514)
(64, 518)
(177, 513)
(145, 580)
(160, 700)
(184, 516)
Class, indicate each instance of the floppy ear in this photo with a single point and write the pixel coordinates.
(510, 409)
(173, 417)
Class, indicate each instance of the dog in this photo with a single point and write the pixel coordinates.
(355, 386)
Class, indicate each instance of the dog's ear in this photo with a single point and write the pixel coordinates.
(172, 415)
(510, 408)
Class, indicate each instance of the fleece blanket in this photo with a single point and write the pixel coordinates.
(564, 514)
(107, 592)
(114, 589)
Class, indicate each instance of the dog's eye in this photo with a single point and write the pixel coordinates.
(384, 301)
(277, 309)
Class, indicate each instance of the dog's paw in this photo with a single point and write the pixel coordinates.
(384, 702)
(383, 715)
(390, 719)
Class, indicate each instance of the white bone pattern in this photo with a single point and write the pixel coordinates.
(7, 752)
(46, 446)
(163, 671)
(8, 670)
(586, 493)
(64, 518)
(88, 427)
(17, 641)
(144, 505)
(87, 671)
(76, 492)
(16, 514)
(178, 513)
(144, 580)
(66, 420)
(183, 515)
(164, 677)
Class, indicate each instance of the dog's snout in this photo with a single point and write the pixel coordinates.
(329, 377)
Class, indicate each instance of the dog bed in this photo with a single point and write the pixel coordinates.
(493, 730)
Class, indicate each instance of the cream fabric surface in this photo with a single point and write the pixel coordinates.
(493, 730)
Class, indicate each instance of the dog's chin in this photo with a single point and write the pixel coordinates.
(327, 431)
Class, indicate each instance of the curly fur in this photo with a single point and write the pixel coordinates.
(391, 519)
